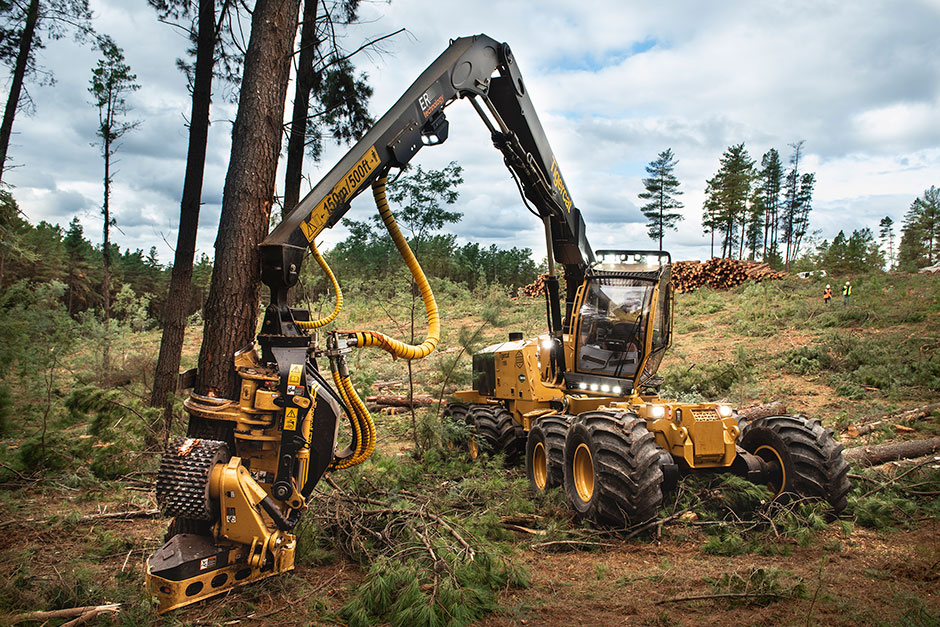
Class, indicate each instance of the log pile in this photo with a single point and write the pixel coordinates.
(720, 273)
(536, 288)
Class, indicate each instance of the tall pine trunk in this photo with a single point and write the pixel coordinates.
(106, 254)
(178, 298)
(298, 127)
(232, 304)
(16, 86)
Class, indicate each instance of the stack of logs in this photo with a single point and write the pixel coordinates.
(536, 288)
(388, 403)
(720, 273)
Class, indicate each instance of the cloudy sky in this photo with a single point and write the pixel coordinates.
(615, 83)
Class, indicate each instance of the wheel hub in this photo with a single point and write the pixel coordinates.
(583, 467)
(539, 466)
(775, 472)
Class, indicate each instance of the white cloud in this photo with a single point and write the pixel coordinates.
(614, 82)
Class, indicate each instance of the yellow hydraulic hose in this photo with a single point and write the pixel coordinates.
(316, 324)
(357, 443)
(374, 338)
(366, 425)
(361, 422)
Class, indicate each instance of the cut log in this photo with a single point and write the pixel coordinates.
(776, 408)
(881, 453)
(419, 400)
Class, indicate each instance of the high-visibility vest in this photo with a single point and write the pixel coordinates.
(828, 293)
(847, 290)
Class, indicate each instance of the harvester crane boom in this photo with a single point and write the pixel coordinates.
(477, 68)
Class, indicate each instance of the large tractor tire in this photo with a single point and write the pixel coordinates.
(804, 458)
(545, 452)
(495, 431)
(612, 468)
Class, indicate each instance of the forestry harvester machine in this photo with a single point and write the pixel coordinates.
(579, 402)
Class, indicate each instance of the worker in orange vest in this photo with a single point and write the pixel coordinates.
(827, 295)
(846, 293)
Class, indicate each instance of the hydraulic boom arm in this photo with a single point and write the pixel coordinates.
(477, 68)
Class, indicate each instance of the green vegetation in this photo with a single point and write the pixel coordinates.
(402, 523)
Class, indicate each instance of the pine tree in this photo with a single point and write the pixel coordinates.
(798, 196)
(330, 99)
(769, 184)
(920, 235)
(886, 232)
(111, 81)
(727, 196)
(231, 310)
(662, 187)
(21, 25)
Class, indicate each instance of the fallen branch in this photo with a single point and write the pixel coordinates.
(727, 595)
(881, 453)
(885, 484)
(542, 545)
(129, 515)
(73, 612)
(911, 415)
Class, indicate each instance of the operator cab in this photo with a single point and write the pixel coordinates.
(623, 322)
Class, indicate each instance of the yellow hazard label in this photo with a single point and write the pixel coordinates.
(343, 190)
(559, 184)
(290, 419)
(294, 377)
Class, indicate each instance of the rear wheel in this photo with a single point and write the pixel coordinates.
(536, 459)
(802, 457)
(612, 468)
(496, 431)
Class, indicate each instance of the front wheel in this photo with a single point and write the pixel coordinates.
(612, 468)
(802, 457)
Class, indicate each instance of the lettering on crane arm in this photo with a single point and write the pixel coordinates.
(559, 184)
(348, 185)
(430, 100)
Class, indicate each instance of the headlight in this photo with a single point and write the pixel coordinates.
(657, 411)
(605, 388)
(725, 411)
(593, 387)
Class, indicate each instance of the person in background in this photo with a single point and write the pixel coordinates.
(827, 295)
(846, 293)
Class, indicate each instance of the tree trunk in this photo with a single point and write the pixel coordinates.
(874, 455)
(106, 252)
(178, 298)
(298, 127)
(232, 304)
(16, 87)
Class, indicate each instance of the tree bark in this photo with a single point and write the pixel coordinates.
(298, 127)
(16, 87)
(881, 453)
(775, 408)
(178, 297)
(106, 249)
(232, 304)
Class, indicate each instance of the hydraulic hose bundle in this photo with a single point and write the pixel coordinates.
(360, 421)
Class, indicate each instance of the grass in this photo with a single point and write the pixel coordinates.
(750, 344)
